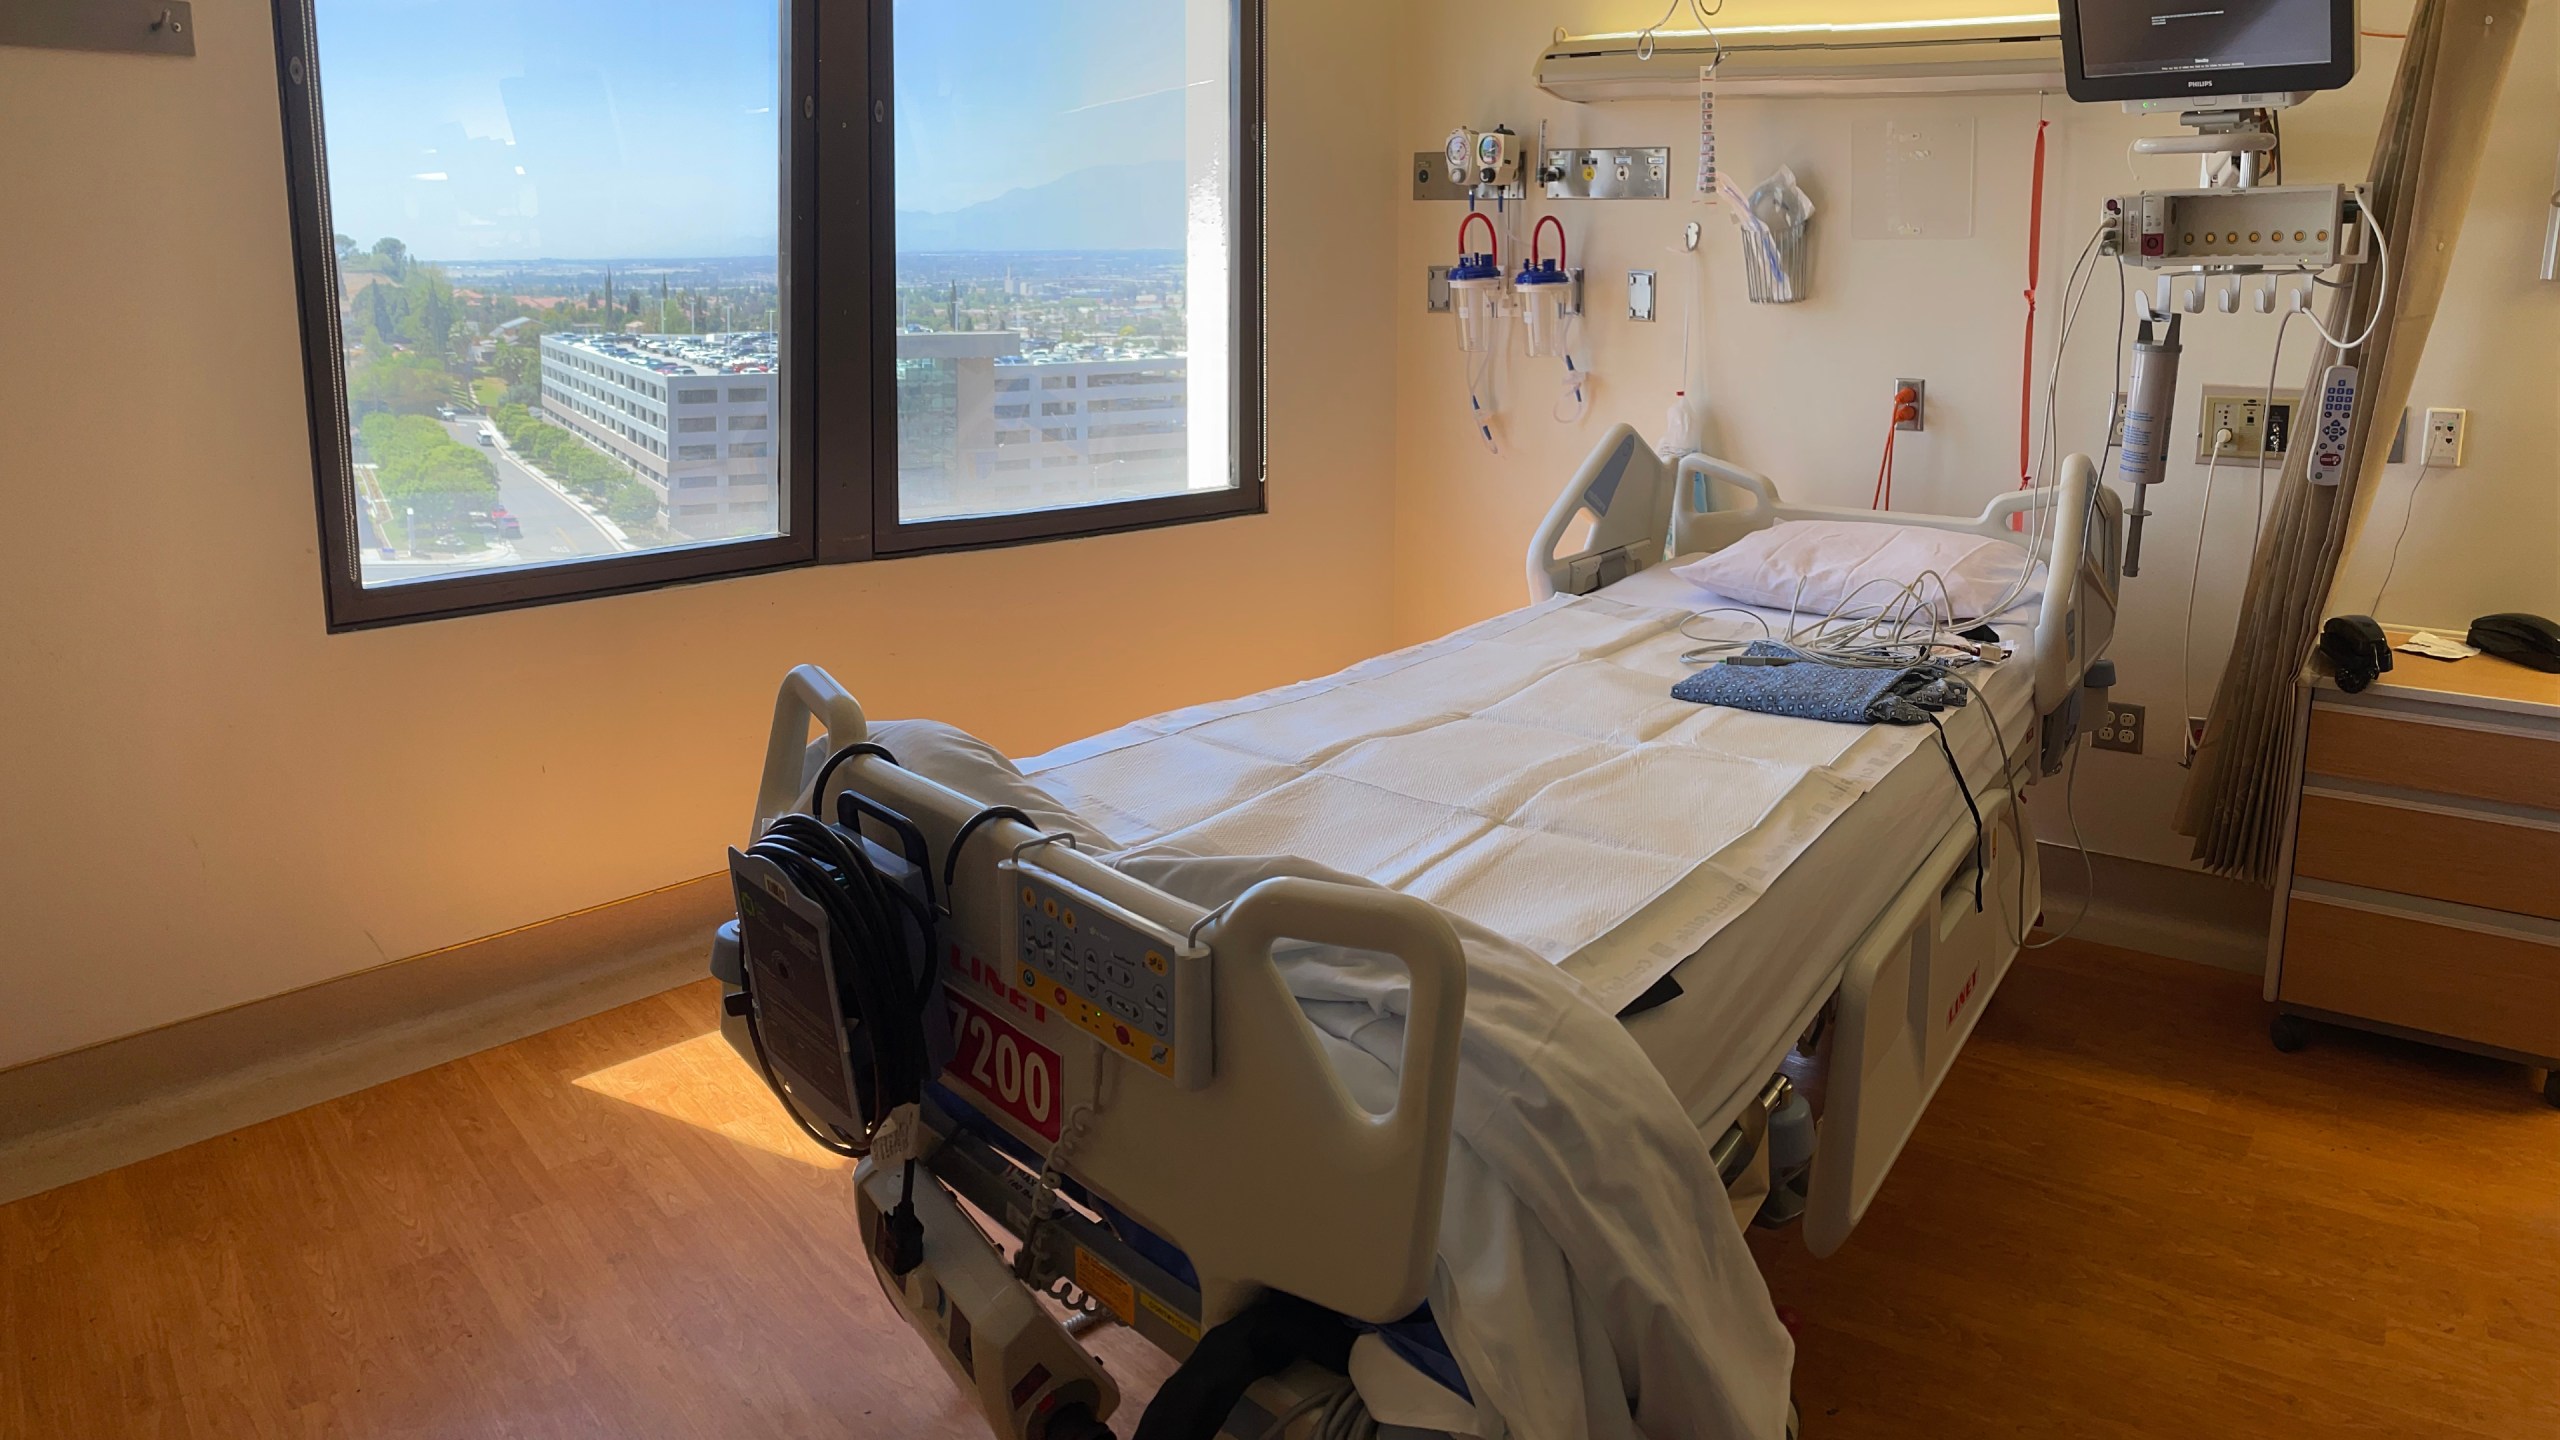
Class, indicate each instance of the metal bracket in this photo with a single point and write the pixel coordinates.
(124, 27)
(1431, 178)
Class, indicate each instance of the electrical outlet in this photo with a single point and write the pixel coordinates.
(1640, 295)
(2446, 428)
(2120, 729)
(1919, 404)
(1435, 289)
(2257, 427)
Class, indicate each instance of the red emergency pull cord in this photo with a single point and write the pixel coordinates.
(2027, 365)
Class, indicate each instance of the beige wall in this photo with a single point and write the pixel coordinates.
(207, 799)
(1801, 391)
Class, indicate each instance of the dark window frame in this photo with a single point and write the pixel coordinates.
(837, 271)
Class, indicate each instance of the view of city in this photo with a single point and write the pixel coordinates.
(511, 403)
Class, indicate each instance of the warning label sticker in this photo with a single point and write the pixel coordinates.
(1106, 1285)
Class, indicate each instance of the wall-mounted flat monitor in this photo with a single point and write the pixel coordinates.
(2205, 50)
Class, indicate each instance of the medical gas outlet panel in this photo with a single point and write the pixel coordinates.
(1140, 989)
(2305, 228)
(1485, 165)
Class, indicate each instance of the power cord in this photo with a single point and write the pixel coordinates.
(969, 827)
(2407, 513)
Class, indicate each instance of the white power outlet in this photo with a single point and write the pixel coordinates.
(2446, 428)
(2257, 427)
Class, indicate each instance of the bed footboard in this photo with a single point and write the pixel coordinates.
(1271, 1132)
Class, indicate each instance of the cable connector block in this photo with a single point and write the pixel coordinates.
(899, 1239)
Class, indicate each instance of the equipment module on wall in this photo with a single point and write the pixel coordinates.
(1640, 172)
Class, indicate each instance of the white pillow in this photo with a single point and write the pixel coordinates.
(1818, 566)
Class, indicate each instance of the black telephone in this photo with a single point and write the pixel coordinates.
(2357, 648)
(2528, 640)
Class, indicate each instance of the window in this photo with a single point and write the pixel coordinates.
(697, 452)
(1131, 274)
(459, 169)
(750, 449)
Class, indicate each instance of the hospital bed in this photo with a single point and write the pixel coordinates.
(1174, 1091)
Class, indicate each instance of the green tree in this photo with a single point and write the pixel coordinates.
(420, 467)
(513, 363)
(346, 246)
(401, 384)
(393, 255)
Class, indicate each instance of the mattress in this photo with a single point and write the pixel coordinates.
(1749, 990)
(1531, 774)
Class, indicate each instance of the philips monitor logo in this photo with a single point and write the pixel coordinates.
(2199, 84)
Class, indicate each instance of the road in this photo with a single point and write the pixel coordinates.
(554, 529)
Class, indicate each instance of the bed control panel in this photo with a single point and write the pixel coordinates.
(1140, 989)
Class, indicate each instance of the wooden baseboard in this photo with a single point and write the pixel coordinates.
(2158, 909)
(87, 1111)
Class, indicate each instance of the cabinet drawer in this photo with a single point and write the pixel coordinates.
(2445, 759)
(2469, 860)
(2492, 990)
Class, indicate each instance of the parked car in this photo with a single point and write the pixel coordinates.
(509, 527)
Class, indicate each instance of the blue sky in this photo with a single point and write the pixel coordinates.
(517, 129)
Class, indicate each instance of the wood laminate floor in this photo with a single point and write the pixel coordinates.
(2125, 1215)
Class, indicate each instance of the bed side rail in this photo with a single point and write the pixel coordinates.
(1272, 1175)
(1625, 489)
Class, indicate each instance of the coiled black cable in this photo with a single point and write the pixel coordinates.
(887, 979)
(867, 914)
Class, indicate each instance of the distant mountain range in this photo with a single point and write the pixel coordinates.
(1101, 207)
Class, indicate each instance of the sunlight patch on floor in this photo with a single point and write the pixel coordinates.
(700, 1081)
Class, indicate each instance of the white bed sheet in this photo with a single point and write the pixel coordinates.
(1532, 774)
(1747, 992)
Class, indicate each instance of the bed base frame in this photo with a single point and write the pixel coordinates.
(1271, 1176)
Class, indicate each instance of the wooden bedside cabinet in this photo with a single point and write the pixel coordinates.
(2421, 872)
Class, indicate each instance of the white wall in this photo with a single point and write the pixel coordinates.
(207, 799)
(1802, 391)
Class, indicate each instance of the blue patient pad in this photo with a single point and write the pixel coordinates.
(1812, 690)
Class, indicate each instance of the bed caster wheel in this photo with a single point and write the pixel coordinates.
(2289, 1033)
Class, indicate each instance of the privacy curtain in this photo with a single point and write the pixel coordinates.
(2451, 68)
